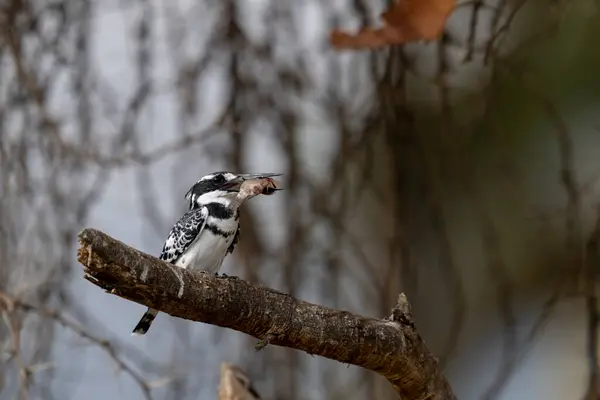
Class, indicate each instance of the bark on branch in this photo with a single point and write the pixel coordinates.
(391, 346)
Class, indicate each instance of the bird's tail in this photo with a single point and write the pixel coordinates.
(142, 327)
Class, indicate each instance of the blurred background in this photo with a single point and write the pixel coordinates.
(463, 172)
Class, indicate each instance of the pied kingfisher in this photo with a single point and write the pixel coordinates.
(209, 231)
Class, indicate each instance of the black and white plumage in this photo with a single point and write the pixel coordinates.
(209, 231)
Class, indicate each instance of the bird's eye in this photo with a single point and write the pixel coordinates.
(220, 179)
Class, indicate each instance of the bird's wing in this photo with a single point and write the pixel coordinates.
(236, 237)
(183, 234)
(235, 241)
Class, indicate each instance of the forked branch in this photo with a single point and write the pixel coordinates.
(391, 346)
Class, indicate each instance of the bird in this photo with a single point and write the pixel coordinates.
(209, 231)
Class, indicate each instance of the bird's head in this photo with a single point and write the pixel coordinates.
(220, 187)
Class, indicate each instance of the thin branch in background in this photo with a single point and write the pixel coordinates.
(493, 28)
(10, 303)
(591, 301)
(137, 157)
(499, 276)
(144, 63)
(575, 244)
(590, 275)
(498, 271)
(477, 5)
(499, 34)
(87, 321)
(161, 152)
(286, 123)
(13, 324)
(319, 207)
(432, 186)
(397, 117)
(451, 273)
(37, 261)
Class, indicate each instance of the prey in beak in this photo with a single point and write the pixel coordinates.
(253, 184)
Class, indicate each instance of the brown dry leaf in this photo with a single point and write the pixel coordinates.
(406, 21)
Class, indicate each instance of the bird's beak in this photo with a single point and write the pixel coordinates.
(257, 176)
(234, 185)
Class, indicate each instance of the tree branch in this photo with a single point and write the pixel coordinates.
(391, 347)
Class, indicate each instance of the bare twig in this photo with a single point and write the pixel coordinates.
(14, 326)
(568, 178)
(105, 345)
(504, 295)
(477, 5)
(590, 275)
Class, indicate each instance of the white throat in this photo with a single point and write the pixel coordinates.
(231, 200)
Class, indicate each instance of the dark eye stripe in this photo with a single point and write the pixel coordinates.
(205, 186)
